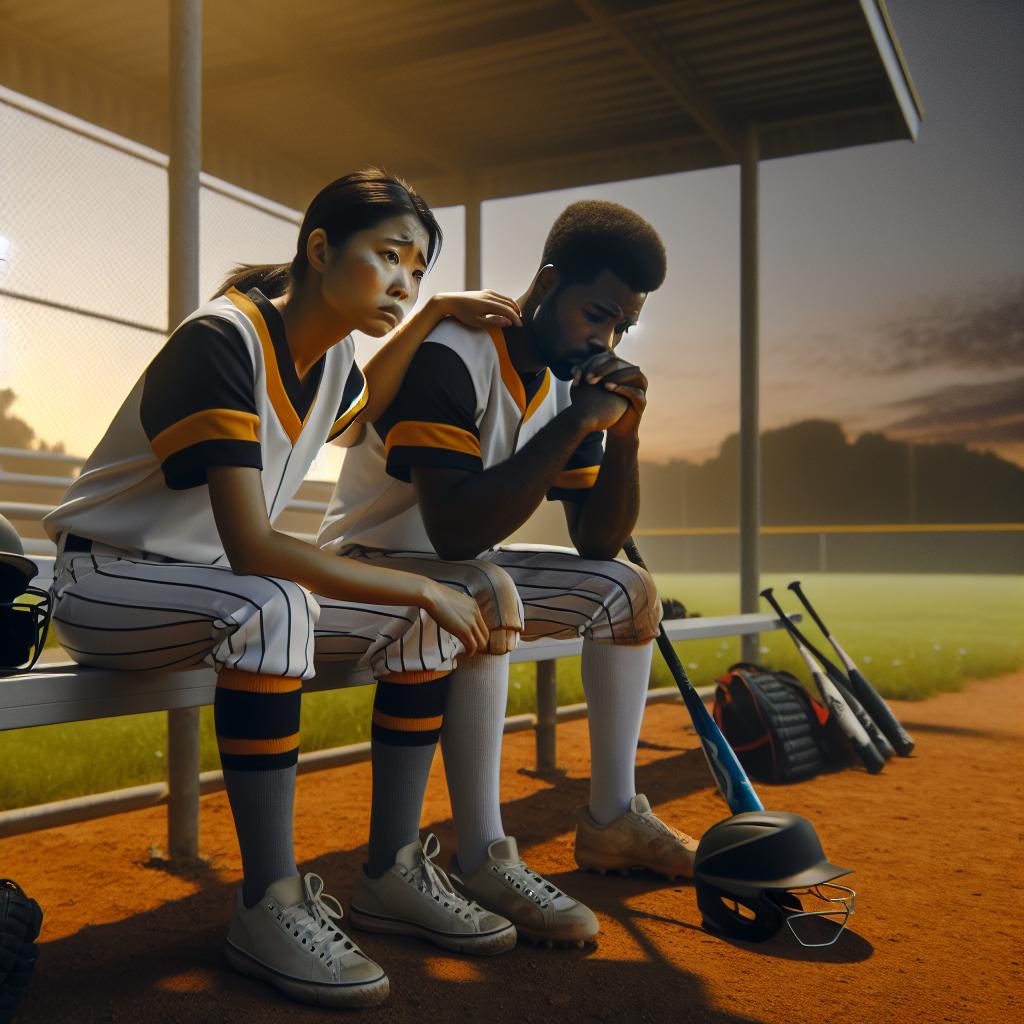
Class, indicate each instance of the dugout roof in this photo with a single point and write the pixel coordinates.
(481, 98)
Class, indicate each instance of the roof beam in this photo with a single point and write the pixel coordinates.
(665, 68)
(891, 54)
(322, 80)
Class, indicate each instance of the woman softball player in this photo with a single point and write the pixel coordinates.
(167, 555)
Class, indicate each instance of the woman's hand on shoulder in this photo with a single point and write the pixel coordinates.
(480, 309)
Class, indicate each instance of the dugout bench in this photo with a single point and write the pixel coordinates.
(57, 692)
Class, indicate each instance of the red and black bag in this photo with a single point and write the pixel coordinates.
(778, 730)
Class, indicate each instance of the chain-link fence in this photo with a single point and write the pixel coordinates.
(83, 270)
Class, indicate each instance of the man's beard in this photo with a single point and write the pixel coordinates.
(545, 340)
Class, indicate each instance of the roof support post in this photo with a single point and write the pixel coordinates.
(750, 451)
(473, 273)
(185, 70)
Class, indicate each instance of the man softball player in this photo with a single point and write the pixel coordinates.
(487, 424)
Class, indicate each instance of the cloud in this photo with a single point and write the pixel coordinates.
(980, 332)
(975, 414)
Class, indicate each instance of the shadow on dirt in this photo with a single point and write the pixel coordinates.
(169, 961)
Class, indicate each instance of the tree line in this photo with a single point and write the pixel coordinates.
(811, 474)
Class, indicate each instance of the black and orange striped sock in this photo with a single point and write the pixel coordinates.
(257, 723)
(407, 714)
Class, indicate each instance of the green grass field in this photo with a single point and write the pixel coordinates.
(913, 635)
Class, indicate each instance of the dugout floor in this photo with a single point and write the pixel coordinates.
(935, 842)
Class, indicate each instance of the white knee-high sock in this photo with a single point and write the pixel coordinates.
(615, 682)
(471, 744)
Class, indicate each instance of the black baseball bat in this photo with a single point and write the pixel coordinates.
(842, 684)
(873, 759)
(872, 700)
(726, 770)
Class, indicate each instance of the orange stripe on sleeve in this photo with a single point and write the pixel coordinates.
(577, 479)
(417, 434)
(206, 425)
(279, 746)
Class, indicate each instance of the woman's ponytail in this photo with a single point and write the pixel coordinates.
(271, 278)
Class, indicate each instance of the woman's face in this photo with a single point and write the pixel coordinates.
(372, 281)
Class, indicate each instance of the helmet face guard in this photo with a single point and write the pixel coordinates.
(24, 615)
(831, 920)
(765, 911)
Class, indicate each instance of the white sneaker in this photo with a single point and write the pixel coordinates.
(539, 910)
(415, 897)
(290, 940)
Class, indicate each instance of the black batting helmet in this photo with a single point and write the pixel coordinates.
(24, 609)
(752, 869)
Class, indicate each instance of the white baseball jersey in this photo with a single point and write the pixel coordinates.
(222, 391)
(463, 405)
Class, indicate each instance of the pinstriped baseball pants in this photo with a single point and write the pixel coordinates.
(121, 610)
(554, 593)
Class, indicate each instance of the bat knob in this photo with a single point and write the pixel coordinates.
(766, 593)
(794, 586)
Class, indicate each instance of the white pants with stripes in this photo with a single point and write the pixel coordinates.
(131, 610)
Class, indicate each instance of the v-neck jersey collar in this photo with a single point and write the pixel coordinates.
(514, 384)
(301, 393)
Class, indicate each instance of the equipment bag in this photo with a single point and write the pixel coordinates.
(778, 730)
(20, 921)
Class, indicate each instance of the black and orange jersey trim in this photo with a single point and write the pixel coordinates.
(353, 398)
(432, 421)
(198, 405)
(526, 395)
(291, 397)
(581, 469)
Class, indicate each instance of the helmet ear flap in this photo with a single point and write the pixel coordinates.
(722, 913)
(789, 903)
(24, 622)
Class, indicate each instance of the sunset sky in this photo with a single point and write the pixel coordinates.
(892, 275)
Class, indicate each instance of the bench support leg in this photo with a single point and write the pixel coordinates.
(547, 707)
(183, 784)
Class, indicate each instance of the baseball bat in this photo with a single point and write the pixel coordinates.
(872, 700)
(842, 684)
(726, 770)
(869, 754)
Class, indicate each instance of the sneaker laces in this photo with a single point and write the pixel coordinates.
(314, 918)
(524, 879)
(432, 881)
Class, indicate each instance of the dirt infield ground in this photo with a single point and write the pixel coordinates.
(935, 842)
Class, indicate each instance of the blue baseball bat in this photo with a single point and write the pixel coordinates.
(726, 770)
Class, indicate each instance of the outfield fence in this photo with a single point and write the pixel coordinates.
(32, 482)
(983, 548)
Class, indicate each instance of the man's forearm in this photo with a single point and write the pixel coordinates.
(482, 509)
(608, 513)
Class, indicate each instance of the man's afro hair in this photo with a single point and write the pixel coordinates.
(593, 235)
